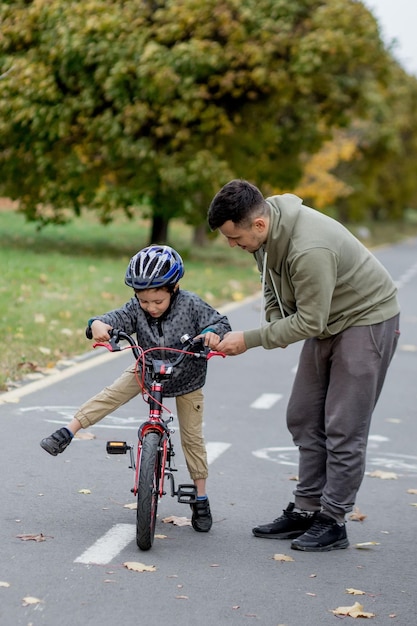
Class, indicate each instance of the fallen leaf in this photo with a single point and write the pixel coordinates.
(355, 592)
(313, 595)
(181, 597)
(293, 478)
(235, 607)
(109, 580)
(84, 436)
(131, 505)
(4, 584)
(412, 491)
(282, 557)
(30, 600)
(366, 544)
(357, 516)
(383, 475)
(160, 536)
(84, 491)
(139, 567)
(29, 537)
(177, 521)
(413, 503)
(355, 610)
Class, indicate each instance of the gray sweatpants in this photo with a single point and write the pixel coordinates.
(336, 388)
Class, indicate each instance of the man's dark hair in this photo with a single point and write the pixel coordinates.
(238, 201)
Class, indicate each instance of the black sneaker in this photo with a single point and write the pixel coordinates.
(57, 442)
(201, 519)
(324, 534)
(291, 524)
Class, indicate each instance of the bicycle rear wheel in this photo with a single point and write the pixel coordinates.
(148, 488)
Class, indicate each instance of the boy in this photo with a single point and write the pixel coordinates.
(159, 313)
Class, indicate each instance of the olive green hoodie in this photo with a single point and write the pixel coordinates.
(318, 278)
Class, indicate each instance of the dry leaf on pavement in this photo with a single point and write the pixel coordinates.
(282, 557)
(33, 537)
(352, 611)
(177, 521)
(30, 600)
(366, 544)
(134, 566)
(412, 491)
(84, 491)
(357, 515)
(383, 475)
(4, 584)
(355, 592)
(84, 436)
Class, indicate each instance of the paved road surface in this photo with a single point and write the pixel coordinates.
(226, 576)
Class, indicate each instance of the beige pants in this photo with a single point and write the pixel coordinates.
(189, 412)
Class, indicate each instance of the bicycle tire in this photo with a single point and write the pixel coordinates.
(148, 487)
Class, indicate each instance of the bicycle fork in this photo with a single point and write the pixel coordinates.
(185, 493)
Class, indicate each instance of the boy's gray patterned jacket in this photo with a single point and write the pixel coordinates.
(188, 314)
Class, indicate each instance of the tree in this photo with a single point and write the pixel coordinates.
(156, 103)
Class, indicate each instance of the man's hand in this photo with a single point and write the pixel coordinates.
(233, 343)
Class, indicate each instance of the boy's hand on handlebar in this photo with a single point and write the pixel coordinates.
(232, 344)
(100, 330)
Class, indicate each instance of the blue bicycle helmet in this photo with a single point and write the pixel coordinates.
(154, 267)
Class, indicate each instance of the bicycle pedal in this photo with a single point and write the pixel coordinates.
(117, 447)
(187, 494)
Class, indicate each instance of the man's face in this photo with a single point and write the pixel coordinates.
(250, 238)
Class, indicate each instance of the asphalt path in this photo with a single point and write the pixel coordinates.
(75, 503)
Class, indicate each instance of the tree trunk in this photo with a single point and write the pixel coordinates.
(159, 232)
(200, 235)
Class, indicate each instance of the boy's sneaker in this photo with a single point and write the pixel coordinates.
(324, 534)
(57, 442)
(291, 524)
(201, 519)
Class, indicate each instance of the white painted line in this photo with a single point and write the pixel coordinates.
(109, 545)
(119, 536)
(266, 401)
(57, 377)
(215, 449)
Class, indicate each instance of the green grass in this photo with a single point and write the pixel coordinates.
(53, 280)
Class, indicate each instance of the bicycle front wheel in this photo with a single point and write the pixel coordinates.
(148, 488)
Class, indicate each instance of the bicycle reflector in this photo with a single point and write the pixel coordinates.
(117, 447)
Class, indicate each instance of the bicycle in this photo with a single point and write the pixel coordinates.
(155, 448)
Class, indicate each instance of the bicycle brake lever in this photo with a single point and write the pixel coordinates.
(215, 353)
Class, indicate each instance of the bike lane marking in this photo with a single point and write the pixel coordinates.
(266, 400)
(108, 546)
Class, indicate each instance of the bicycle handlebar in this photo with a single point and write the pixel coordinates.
(192, 347)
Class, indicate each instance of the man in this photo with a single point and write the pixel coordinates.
(320, 285)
